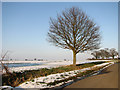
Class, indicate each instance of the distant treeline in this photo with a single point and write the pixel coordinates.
(105, 53)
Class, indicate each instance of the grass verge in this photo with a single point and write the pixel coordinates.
(81, 74)
(17, 78)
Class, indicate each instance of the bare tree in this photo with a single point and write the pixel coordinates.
(75, 31)
(106, 53)
(102, 53)
(113, 52)
(3, 65)
(96, 54)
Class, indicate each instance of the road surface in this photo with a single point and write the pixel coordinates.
(107, 79)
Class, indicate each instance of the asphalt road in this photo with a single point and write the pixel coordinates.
(108, 78)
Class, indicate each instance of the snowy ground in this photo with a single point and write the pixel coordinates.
(46, 64)
(42, 82)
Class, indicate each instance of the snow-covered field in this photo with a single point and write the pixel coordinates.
(46, 64)
(42, 82)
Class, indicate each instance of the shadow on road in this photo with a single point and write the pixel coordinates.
(105, 72)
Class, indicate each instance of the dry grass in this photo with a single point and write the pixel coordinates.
(19, 77)
(81, 74)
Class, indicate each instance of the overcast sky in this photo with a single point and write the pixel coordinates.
(25, 26)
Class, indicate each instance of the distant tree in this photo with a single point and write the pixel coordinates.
(75, 31)
(113, 52)
(106, 53)
(26, 59)
(102, 53)
(96, 54)
(65, 60)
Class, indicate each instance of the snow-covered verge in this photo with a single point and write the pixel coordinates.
(46, 64)
(42, 82)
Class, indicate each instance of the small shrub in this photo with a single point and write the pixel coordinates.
(58, 78)
(33, 80)
(66, 75)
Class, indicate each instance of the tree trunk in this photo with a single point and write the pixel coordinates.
(96, 57)
(113, 57)
(74, 58)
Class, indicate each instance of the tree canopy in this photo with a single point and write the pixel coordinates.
(75, 31)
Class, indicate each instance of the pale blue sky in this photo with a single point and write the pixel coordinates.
(25, 27)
